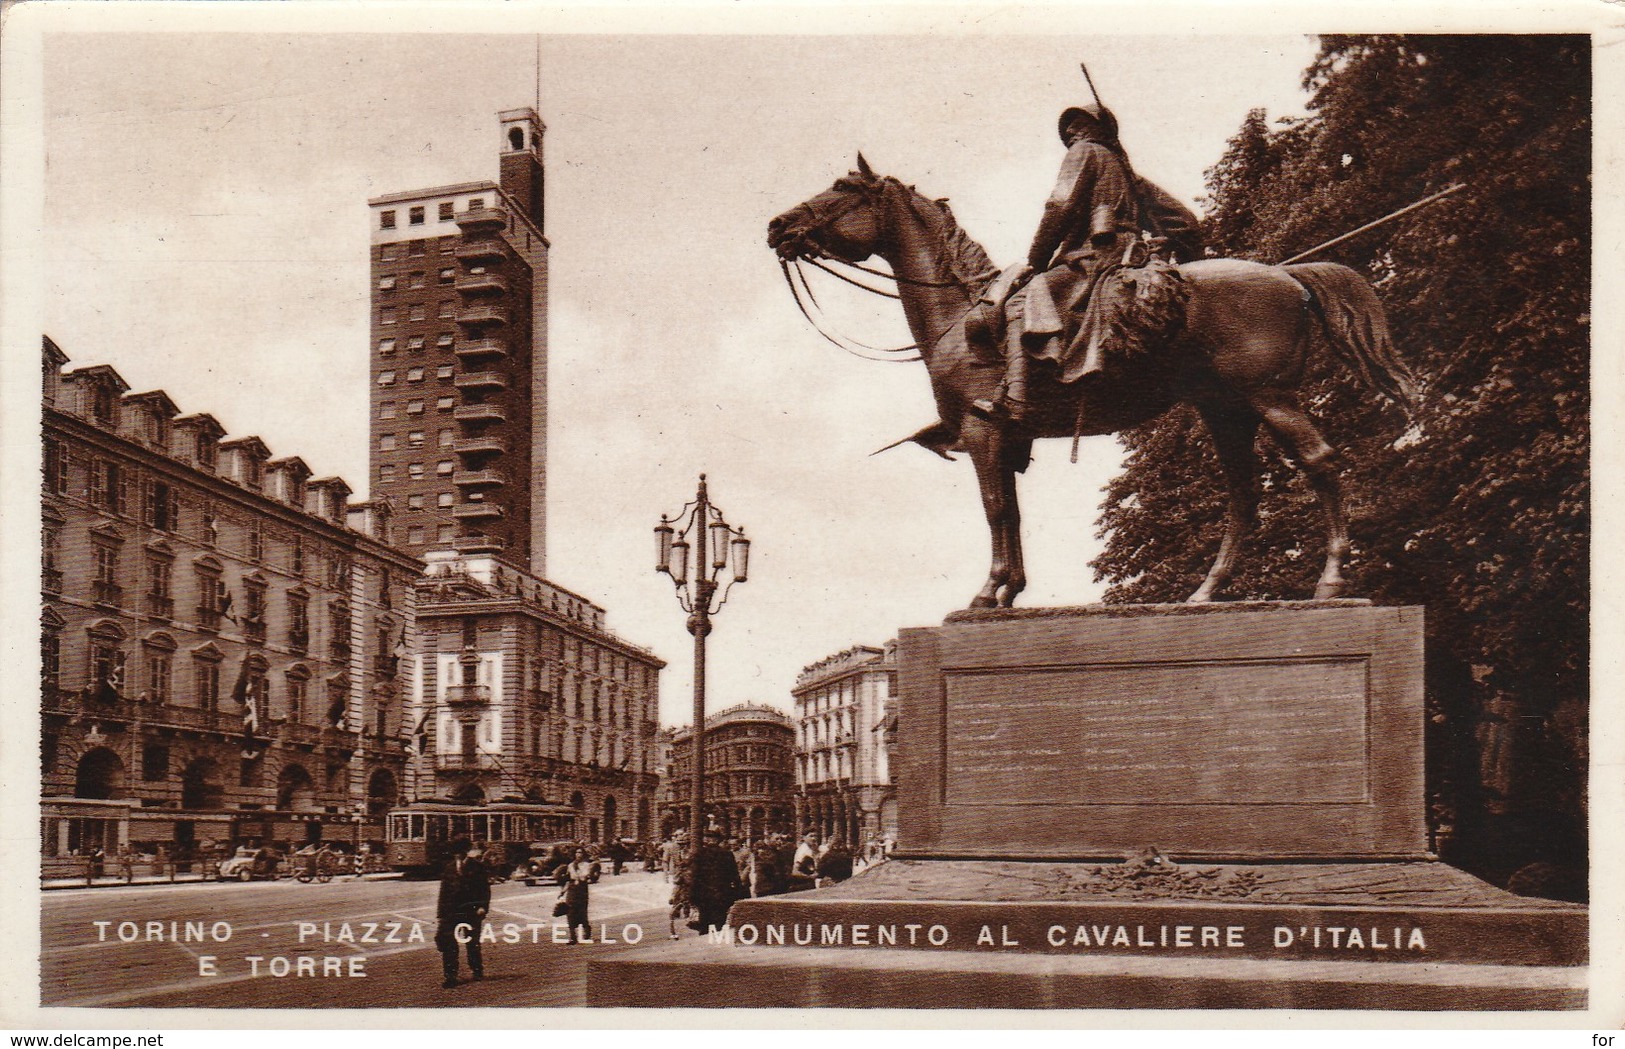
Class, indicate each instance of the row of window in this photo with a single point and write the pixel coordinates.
(154, 681)
(816, 767)
(443, 341)
(604, 662)
(733, 785)
(117, 488)
(215, 600)
(444, 403)
(417, 279)
(416, 472)
(389, 442)
(417, 374)
(417, 535)
(414, 248)
(417, 311)
(417, 215)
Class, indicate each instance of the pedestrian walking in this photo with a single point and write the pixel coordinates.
(464, 901)
(716, 883)
(767, 875)
(671, 858)
(577, 876)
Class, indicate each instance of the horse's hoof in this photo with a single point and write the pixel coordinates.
(984, 602)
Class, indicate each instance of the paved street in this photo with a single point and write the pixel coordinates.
(308, 940)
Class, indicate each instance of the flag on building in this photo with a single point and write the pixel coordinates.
(239, 691)
(109, 687)
(225, 602)
(336, 712)
(419, 740)
(251, 709)
(399, 653)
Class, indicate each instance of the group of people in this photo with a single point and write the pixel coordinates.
(705, 886)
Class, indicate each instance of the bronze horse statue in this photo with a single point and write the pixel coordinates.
(1238, 356)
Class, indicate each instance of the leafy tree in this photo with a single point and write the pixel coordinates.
(1479, 509)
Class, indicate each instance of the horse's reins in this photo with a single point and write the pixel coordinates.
(819, 222)
(851, 346)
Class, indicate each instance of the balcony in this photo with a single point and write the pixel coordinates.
(478, 544)
(482, 284)
(479, 479)
(299, 641)
(481, 446)
(479, 413)
(480, 349)
(254, 629)
(481, 250)
(494, 382)
(483, 220)
(466, 762)
(208, 617)
(477, 512)
(105, 593)
(292, 732)
(160, 606)
(468, 695)
(482, 314)
(339, 650)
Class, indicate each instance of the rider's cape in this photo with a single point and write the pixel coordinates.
(1085, 323)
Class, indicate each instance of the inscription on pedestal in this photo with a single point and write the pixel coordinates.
(1289, 733)
(1244, 732)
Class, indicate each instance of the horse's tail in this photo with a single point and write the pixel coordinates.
(1357, 328)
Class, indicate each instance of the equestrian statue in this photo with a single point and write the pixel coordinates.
(1107, 324)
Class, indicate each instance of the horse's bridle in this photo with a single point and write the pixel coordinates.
(818, 219)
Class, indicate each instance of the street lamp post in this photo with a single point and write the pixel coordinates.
(702, 595)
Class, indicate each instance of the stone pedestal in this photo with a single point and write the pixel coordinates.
(1253, 773)
(1262, 730)
(978, 934)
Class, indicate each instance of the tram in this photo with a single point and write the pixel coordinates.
(420, 834)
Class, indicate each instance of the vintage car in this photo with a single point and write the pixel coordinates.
(250, 864)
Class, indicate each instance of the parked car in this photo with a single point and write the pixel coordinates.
(251, 864)
(545, 859)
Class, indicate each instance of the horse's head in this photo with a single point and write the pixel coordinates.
(844, 222)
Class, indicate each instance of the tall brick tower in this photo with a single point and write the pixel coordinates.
(459, 358)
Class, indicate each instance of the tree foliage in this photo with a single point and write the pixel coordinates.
(1480, 508)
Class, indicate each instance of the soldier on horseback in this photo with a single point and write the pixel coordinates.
(1091, 218)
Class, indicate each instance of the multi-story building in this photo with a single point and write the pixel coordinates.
(749, 773)
(844, 784)
(459, 358)
(519, 691)
(220, 637)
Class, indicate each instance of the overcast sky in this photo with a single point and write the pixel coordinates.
(206, 230)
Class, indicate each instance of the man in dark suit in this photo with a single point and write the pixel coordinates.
(716, 883)
(465, 898)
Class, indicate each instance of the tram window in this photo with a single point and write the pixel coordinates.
(459, 826)
(417, 828)
(437, 829)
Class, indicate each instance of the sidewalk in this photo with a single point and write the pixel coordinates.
(114, 881)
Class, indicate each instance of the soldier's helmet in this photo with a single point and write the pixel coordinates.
(1104, 118)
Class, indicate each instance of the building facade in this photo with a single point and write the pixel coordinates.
(220, 638)
(459, 358)
(843, 708)
(520, 692)
(749, 773)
